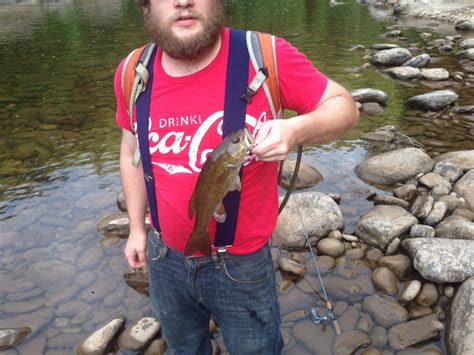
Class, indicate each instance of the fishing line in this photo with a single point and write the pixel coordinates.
(316, 318)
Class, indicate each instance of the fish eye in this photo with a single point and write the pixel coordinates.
(236, 140)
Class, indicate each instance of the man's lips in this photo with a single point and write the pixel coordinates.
(186, 20)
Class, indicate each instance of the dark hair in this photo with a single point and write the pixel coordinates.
(143, 3)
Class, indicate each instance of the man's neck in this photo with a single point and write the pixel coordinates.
(183, 67)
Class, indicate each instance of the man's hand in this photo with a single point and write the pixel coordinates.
(135, 250)
(274, 140)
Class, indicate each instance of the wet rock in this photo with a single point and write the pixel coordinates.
(320, 214)
(22, 307)
(314, 336)
(465, 25)
(121, 203)
(449, 171)
(98, 290)
(392, 167)
(420, 61)
(296, 316)
(99, 341)
(414, 332)
(331, 247)
(462, 158)
(403, 73)
(460, 337)
(399, 264)
(466, 54)
(374, 255)
(385, 311)
(409, 291)
(383, 46)
(349, 290)
(348, 342)
(452, 202)
(137, 279)
(442, 260)
(462, 109)
(389, 200)
(449, 291)
(371, 351)
(308, 176)
(392, 247)
(406, 192)
(424, 350)
(382, 224)
(433, 101)
(355, 254)
(435, 74)
(51, 275)
(35, 320)
(89, 259)
(379, 336)
(428, 295)
(465, 188)
(340, 307)
(139, 335)
(467, 43)
(422, 231)
(378, 136)
(291, 267)
(455, 228)
(12, 336)
(422, 206)
(348, 320)
(325, 264)
(373, 108)
(365, 324)
(385, 280)
(293, 299)
(391, 57)
(437, 213)
(432, 180)
(417, 311)
(116, 224)
(369, 95)
(157, 347)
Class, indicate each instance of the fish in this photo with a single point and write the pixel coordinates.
(219, 175)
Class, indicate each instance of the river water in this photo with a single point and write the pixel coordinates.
(59, 145)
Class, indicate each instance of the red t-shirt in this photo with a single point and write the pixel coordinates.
(186, 125)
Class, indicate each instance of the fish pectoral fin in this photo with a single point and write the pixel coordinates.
(219, 213)
(230, 165)
(192, 206)
(237, 184)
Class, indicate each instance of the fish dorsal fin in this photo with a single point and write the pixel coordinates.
(192, 206)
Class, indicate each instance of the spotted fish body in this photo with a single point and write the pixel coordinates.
(219, 175)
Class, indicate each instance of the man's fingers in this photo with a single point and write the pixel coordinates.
(141, 258)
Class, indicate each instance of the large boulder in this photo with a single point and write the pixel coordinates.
(460, 335)
(455, 228)
(382, 224)
(320, 215)
(433, 101)
(442, 260)
(462, 158)
(392, 167)
(464, 187)
(391, 57)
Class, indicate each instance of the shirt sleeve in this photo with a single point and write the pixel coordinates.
(121, 115)
(301, 84)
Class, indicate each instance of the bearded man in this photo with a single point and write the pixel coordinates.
(185, 124)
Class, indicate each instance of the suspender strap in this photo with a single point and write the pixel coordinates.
(234, 119)
(143, 114)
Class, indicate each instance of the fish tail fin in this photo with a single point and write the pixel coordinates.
(198, 241)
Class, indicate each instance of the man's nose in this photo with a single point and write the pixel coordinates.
(183, 3)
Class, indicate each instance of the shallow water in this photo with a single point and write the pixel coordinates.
(59, 144)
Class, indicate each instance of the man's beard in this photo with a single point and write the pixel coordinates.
(190, 48)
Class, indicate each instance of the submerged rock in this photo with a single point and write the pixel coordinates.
(442, 260)
(308, 176)
(414, 332)
(385, 311)
(460, 337)
(392, 167)
(433, 101)
(11, 336)
(348, 342)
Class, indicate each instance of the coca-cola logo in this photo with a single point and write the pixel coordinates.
(197, 146)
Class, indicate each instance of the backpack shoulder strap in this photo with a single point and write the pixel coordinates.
(262, 52)
(135, 77)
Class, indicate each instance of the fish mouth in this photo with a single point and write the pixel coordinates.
(248, 139)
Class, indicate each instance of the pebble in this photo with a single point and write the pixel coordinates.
(385, 280)
(428, 295)
(409, 291)
(331, 247)
(336, 235)
(378, 335)
(374, 254)
(417, 311)
(392, 247)
(291, 266)
(449, 291)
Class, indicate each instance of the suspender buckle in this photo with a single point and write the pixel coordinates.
(148, 178)
(247, 97)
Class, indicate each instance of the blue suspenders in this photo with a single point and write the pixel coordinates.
(234, 119)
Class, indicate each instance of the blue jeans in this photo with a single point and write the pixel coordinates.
(238, 290)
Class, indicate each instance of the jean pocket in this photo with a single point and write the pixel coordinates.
(156, 248)
(248, 269)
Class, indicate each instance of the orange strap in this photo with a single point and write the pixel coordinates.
(128, 74)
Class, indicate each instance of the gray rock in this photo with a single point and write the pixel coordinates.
(466, 54)
(465, 188)
(435, 74)
(291, 266)
(99, 341)
(420, 61)
(428, 295)
(452, 202)
(385, 280)
(383, 46)
(392, 247)
(371, 351)
(11, 336)
(369, 95)
(51, 275)
(139, 335)
(437, 213)
(348, 319)
(442, 260)
(389, 200)
(462, 158)
(382, 224)
(353, 290)
(379, 336)
(399, 264)
(36, 320)
(422, 206)
(385, 311)
(465, 25)
(403, 73)
(89, 259)
(462, 109)
(314, 336)
(467, 43)
(392, 167)
(116, 224)
(391, 57)
(308, 176)
(449, 171)
(432, 180)
(157, 347)
(404, 335)
(455, 228)
(422, 231)
(417, 311)
(406, 192)
(365, 324)
(433, 101)
(378, 136)
(348, 342)
(424, 350)
(373, 108)
(331, 247)
(460, 337)
(320, 214)
(409, 291)
(121, 203)
(325, 264)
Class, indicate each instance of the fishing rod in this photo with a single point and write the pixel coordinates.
(329, 317)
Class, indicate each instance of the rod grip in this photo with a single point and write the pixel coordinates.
(336, 326)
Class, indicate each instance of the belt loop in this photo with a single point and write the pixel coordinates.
(217, 257)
